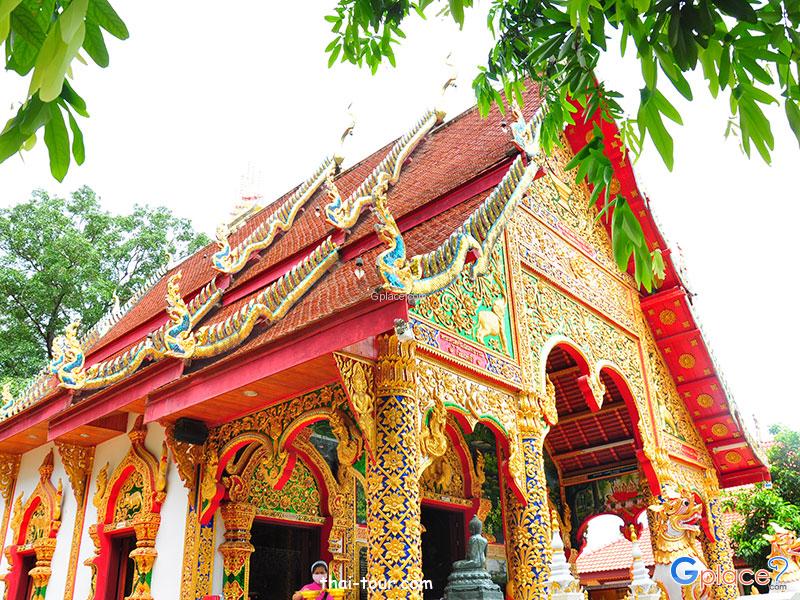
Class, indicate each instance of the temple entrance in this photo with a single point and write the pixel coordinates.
(122, 567)
(25, 591)
(281, 563)
(442, 545)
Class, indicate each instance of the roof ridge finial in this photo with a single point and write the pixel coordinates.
(348, 131)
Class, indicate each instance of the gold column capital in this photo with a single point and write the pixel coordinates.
(396, 367)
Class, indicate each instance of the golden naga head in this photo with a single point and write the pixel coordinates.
(783, 542)
(680, 508)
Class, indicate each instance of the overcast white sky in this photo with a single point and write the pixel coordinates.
(200, 91)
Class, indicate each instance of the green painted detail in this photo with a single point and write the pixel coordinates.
(476, 310)
(299, 495)
(361, 464)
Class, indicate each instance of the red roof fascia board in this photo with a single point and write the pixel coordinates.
(327, 337)
(35, 415)
(668, 309)
(115, 398)
(755, 475)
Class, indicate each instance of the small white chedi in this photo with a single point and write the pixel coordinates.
(562, 584)
(642, 587)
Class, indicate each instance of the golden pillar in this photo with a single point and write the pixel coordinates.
(528, 522)
(144, 555)
(237, 515)
(719, 553)
(9, 467)
(40, 574)
(393, 499)
(77, 461)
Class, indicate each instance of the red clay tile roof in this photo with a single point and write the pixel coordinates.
(451, 155)
(615, 556)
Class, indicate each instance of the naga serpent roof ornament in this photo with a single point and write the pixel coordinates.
(232, 259)
(68, 358)
(429, 273)
(8, 400)
(344, 213)
(175, 339)
(269, 305)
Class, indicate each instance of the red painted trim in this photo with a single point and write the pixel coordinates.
(663, 295)
(112, 399)
(35, 415)
(332, 334)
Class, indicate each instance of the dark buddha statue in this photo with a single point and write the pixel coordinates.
(469, 579)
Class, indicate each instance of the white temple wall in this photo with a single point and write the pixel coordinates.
(27, 480)
(219, 571)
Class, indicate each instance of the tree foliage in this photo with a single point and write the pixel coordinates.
(66, 258)
(784, 460)
(760, 505)
(41, 39)
(748, 50)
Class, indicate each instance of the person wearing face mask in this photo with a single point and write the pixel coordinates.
(319, 573)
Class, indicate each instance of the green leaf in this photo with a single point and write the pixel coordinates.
(53, 76)
(72, 18)
(57, 140)
(334, 55)
(667, 109)
(102, 13)
(78, 150)
(11, 141)
(95, 45)
(5, 27)
(793, 115)
(27, 27)
(457, 10)
(6, 6)
(740, 9)
(71, 96)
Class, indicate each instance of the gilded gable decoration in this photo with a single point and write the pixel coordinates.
(34, 525)
(129, 499)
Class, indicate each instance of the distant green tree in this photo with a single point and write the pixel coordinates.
(61, 259)
(784, 460)
(760, 505)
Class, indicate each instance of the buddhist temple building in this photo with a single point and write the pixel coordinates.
(353, 371)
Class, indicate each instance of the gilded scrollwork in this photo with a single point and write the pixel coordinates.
(476, 309)
(344, 213)
(34, 525)
(77, 461)
(186, 456)
(232, 259)
(358, 379)
(544, 251)
(130, 497)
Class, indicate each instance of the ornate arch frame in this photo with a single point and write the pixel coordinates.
(34, 525)
(137, 490)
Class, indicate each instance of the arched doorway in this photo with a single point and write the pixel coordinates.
(594, 447)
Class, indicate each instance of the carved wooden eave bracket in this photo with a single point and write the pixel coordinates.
(9, 468)
(358, 379)
(77, 461)
(187, 457)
